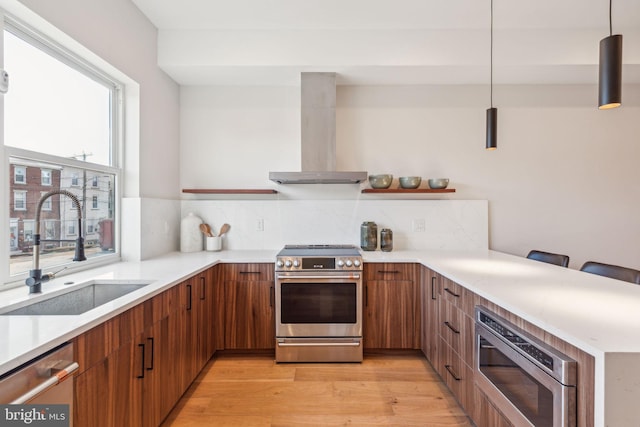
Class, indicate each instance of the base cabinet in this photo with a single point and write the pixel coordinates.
(391, 314)
(249, 294)
(485, 414)
(136, 366)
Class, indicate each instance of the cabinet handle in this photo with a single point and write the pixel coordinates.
(453, 374)
(141, 364)
(202, 289)
(455, 331)
(388, 272)
(189, 302)
(271, 294)
(153, 352)
(452, 293)
(250, 272)
(433, 287)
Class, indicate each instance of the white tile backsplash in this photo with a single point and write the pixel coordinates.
(449, 224)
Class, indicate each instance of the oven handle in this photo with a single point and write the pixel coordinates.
(319, 344)
(319, 277)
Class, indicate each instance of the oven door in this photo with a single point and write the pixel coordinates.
(526, 394)
(318, 305)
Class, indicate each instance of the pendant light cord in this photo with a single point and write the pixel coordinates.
(491, 55)
(610, 22)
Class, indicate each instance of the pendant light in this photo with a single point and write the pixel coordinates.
(610, 69)
(492, 113)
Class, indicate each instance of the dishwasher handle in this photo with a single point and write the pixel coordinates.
(50, 382)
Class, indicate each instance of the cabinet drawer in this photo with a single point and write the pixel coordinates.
(390, 271)
(457, 375)
(458, 296)
(248, 272)
(456, 329)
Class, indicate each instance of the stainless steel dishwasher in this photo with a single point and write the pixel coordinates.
(46, 380)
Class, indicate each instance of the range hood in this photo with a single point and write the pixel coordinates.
(318, 135)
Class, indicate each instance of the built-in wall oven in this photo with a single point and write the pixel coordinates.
(318, 304)
(530, 382)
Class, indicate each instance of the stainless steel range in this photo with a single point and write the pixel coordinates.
(319, 304)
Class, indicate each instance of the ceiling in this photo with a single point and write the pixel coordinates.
(269, 42)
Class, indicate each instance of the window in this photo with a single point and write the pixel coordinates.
(19, 175)
(52, 92)
(90, 229)
(20, 200)
(46, 176)
(46, 205)
(27, 227)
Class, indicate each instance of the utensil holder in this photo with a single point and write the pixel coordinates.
(213, 244)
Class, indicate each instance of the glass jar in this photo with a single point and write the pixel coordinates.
(368, 236)
(386, 240)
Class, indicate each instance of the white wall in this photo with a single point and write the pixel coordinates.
(564, 177)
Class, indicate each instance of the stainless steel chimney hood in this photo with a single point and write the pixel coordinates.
(318, 135)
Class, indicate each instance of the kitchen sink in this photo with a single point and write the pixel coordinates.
(76, 301)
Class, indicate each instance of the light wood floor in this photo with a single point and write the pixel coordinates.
(385, 390)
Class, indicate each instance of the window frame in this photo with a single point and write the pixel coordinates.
(116, 137)
(24, 175)
(24, 200)
(47, 205)
(46, 173)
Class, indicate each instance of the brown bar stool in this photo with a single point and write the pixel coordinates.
(550, 258)
(613, 271)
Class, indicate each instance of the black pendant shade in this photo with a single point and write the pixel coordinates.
(492, 128)
(610, 72)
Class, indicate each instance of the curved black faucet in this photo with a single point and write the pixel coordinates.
(36, 278)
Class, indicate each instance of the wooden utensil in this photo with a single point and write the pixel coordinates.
(225, 227)
(206, 230)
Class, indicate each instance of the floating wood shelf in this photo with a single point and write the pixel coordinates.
(409, 190)
(229, 191)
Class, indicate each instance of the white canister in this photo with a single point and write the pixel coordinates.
(190, 234)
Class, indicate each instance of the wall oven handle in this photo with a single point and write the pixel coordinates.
(319, 344)
(299, 277)
(50, 382)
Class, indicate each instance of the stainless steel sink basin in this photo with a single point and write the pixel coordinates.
(77, 301)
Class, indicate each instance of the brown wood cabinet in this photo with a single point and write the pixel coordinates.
(249, 295)
(135, 366)
(448, 311)
(455, 328)
(485, 414)
(430, 282)
(391, 315)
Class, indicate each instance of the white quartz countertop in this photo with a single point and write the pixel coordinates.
(597, 314)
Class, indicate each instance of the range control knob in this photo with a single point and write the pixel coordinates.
(296, 263)
(349, 263)
(288, 263)
(340, 263)
(357, 263)
(279, 263)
